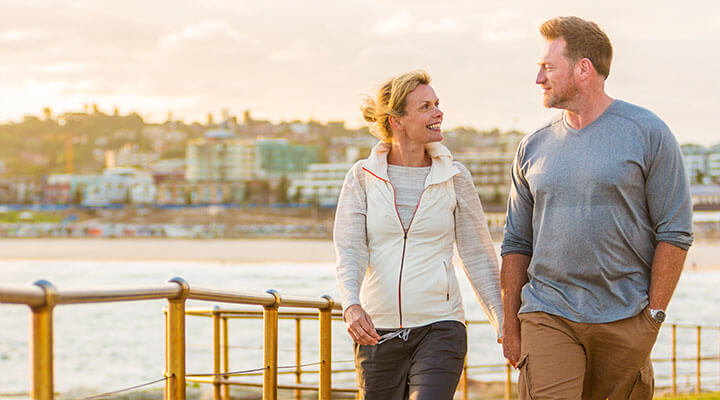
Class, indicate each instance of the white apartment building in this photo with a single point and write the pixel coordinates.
(491, 172)
(713, 163)
(120, 185)
(321, 182)
(227, 160)
(695, 161)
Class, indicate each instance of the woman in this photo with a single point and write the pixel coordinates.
(398, 216)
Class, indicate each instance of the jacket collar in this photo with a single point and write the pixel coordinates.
(441, 170)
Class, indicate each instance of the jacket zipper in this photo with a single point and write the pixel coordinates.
(405, 237)
(402, 264)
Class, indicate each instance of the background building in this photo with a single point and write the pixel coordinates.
(220, 160)
(696, 163)
(491, 172)
(320, 184)
(279, 157)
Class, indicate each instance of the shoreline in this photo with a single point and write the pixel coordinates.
(704, 255)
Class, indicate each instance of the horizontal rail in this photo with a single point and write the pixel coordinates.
(279, 385)
(244, 314)
(33, 296)
(104, 295)
(36, 296)
(236, 297)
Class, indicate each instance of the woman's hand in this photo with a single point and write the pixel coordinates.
(360, 326)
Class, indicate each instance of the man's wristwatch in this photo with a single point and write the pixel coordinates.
(658, 315)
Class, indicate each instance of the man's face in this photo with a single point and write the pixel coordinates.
(556, 75)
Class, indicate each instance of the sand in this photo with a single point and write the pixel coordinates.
(218, 250)
(703, 255)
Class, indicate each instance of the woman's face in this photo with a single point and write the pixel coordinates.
(422, 119)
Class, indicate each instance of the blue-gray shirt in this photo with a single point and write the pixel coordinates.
(589, 206)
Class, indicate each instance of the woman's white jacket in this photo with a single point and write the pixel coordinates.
(405, 276)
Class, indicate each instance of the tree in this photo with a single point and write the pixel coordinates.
(281, 190)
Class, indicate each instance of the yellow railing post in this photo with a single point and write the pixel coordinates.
(216, 353)
(325, 379)
(270, 348)
(226, 359)
(41, 344)
(464, 379)
(175, 346)
(508, 382)
(298, 357)
(699, 361)
(673, 387)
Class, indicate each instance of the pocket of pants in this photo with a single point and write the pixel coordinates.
(644, 385)
(524, 382)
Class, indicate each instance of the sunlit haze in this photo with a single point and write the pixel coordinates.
(297, 60)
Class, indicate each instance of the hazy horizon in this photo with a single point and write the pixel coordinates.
(315, 60)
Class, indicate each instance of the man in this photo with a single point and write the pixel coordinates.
(598, 226)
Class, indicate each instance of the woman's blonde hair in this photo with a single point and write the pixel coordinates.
(391, 100)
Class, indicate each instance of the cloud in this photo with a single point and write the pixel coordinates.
(404, 22)
(60, 68)
(299, 49)
(21, 35)
(399, 22)
(202, 31)
(444, 25)
(501, 35)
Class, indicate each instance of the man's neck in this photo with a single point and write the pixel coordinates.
(587, 110)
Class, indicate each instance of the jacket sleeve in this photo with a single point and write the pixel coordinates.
(350, 237)
(476, 249)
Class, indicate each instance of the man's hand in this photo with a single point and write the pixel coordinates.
(360, 326)
(511, 344)
(513, 277)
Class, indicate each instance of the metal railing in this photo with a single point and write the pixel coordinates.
(42, 298)
(221, 374)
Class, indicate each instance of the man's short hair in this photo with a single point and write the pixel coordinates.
(584, 39)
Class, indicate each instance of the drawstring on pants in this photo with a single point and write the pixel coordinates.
(402, 333)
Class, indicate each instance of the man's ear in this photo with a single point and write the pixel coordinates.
(585, 68)
(395, 123)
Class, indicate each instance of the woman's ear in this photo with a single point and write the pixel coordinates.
(395, 122)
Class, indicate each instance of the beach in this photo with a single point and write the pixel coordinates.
(703, 255)
(237, 251)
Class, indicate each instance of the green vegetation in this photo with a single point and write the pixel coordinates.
(705, 396)
(12, 217)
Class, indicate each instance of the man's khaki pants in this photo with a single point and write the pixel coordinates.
(565, 360)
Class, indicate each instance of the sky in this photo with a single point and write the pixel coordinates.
(301, 60)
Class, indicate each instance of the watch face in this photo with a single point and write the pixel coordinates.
(658, 316)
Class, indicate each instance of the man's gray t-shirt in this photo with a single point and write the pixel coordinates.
(589, 207)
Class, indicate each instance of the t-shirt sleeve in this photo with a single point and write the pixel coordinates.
(667, 189)
(518, 235)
